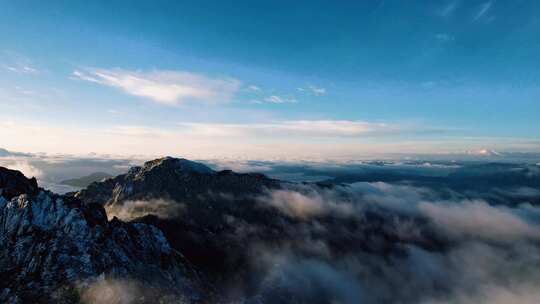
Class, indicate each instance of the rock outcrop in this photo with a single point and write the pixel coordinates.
(14, 183)
(54, 249)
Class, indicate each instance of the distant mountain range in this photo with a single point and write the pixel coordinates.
(84, 181)
(6, 153)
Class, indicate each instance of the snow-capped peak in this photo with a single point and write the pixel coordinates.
(483, 152)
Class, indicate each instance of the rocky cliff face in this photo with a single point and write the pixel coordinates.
(14, 183)
(56, 249)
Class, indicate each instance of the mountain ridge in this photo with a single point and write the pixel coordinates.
(162, 177)
(86, 180)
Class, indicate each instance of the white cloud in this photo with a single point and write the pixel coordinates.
(448, 9)
(254, 88)
(444, 37)
(477, 219)
(496, 294)
(278, 99)
(108, 291)
(130, 210)
(306, 204)
(484, 8)
(162, 86)
(21, 164)
(241, 166)
(295, 204)
(314, 128)
(24, 91)
(21, 69)
(317, 91)
(17, 63)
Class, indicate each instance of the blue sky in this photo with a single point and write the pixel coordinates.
(263, 79)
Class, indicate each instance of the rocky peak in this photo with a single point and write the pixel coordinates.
(170, 164)
(52, 247)
(177, 179)
(14, 183)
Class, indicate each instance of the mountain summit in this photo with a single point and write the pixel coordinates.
(171, 163)
(175, 179)
(14, 183)
(201, 205)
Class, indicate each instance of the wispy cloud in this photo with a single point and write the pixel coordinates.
(483, 10)
(275, 99)
(317, 128)
(448, 9)
(317, 91)
(21, 69)
(254, 88)
(279, 99)
(163, 86)
(24, 91)
(17, 63)
(443, 37)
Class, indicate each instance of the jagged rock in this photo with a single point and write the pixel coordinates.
(52, 248)
(175, 179)
(84, 181)
(14, 183)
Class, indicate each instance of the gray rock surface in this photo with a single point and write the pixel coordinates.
(54, 248)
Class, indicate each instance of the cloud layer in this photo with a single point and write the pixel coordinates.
(422, 248)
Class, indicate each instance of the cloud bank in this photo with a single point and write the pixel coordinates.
(130, 210)
(390, 243)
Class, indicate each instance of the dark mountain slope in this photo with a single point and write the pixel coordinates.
(14, 183)
(202, 230)
(175, 179)
(84, 181)
(53, 249)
